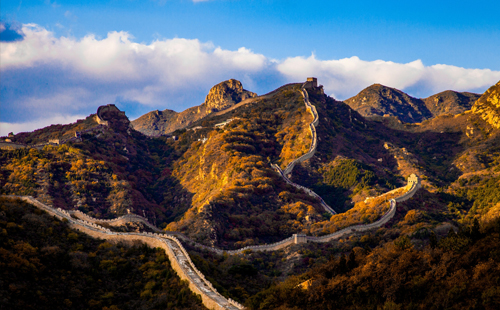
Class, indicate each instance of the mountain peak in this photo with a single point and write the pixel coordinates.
(378, 99)
(220, 97)
(226, 94)
(382, 100)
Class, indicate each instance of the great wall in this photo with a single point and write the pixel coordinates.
(310, 83)
(179, 257)
(99, 119)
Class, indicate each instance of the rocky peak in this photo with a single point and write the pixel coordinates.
(226, 94)
(488, 106)
(109, 115)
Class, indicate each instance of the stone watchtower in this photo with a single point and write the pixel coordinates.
(311, 82)
(414, 179)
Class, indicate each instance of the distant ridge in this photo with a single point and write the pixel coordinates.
(381, 100)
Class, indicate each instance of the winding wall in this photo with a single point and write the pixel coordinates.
(178, 256)
(116, 221)
(412, 186)
(312, 149)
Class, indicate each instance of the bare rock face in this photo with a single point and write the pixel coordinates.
(488, 106)
(226, 94)
(111, 116)
(222, 96)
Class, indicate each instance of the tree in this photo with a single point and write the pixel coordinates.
(351, 261)
(433, 240)
(342, 264)
(474, 231)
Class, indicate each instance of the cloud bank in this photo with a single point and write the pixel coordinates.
(46, 78)
(344, 78)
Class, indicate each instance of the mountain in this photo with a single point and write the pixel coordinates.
(488, 106)
(450, 102)
(382, 100)
(217, 183)
(220, 97)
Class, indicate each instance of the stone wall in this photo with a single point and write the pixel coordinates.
(120, 221)
(178, 256)
(54, 142)
(312, 149)
(9, 146)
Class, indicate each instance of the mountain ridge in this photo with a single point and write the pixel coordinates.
(381, 100)
(220, 97)
(488, 105)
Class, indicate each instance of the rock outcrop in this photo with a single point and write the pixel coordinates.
(382, 100)
(222, 96)
(488, 106)
(109, 115)
(226, 94)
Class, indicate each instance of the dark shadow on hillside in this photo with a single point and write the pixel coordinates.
(144, 163)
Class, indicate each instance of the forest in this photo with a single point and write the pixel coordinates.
(46, 265)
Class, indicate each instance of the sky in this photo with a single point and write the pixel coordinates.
(60, 60)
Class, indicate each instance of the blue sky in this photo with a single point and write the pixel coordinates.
(61, 59)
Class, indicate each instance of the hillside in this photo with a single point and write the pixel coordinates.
(450, 102)
(488, 106)
(382, 100)
(222, 96)
(216, 185)
(46, 265)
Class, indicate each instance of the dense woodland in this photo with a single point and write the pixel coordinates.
(459, 271)
(46, 265)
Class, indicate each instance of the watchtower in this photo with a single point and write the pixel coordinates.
(414, 179)
(311, 82)
(299, 238)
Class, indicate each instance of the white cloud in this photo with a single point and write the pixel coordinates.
(6, 128)
(43, 75)
(166, 64)
(344, 78)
